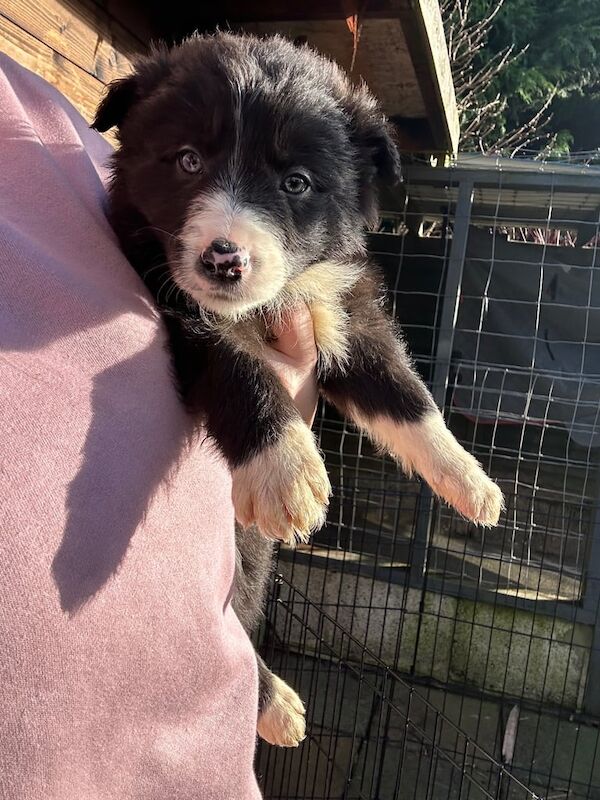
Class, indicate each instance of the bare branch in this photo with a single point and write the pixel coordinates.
(467, 36)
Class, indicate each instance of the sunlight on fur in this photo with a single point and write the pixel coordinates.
(428, 448)
(284, 489)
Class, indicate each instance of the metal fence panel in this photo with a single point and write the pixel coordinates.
(494, 276)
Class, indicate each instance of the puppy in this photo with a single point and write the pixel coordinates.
(243, 183)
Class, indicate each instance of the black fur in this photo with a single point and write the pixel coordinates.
(210, 375)
(254, 564)
(380, 380)
(256, 111)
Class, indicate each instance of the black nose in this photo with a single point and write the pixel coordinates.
(224, 261)
(223, 246)
(231, 272)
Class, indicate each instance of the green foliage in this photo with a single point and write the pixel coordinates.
(561, 60)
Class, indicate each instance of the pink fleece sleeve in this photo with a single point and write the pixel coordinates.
(123, 671)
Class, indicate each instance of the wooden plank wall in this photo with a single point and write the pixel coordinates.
(77, 45)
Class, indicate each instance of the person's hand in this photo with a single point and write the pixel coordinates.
(292, 352)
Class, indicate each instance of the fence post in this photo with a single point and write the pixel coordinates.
(591, 603)
(441, 367)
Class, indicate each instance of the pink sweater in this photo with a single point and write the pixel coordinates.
(123, 671)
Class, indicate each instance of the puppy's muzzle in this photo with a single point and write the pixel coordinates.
(224, 261)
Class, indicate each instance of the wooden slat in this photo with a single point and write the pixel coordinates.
(424, 34)
(81, 32)
(236, 12)
(83, 90)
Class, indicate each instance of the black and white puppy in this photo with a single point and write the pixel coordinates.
(243, 183)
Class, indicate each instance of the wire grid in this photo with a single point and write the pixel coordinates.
(370, 734)
(486, 620)
(522, 391)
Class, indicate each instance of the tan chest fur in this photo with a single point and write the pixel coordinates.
(322, 288)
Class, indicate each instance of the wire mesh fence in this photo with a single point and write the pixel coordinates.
(370, 733)
(493, 274)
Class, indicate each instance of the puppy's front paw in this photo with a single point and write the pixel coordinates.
(284, 490)
(468, 489)
(427, 447)
(282, 722)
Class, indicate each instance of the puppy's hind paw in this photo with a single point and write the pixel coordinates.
(282, 722)
(283, 490)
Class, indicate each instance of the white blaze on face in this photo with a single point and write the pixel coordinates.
(217, 215)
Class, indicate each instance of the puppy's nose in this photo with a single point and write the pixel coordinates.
(224, 246)
(224, 261)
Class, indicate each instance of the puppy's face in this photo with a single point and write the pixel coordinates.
(251, 160)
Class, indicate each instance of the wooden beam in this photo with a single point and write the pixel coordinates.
(80, 32)
(424, 34)
(239, 12)
(82, 89)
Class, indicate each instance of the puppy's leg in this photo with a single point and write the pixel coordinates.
(426, 446)
(279, 480)
(280, 710)
(281, 715)
(380, 390)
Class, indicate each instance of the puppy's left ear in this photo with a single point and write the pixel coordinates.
(386, 155)
(373, 133)
(377, 141)
(122, 94)
(379, 159)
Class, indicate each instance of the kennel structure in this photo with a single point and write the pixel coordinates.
(438, 659)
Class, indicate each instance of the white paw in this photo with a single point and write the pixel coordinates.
(428, 448)
(282, 722)
(284, 490)
(468, 489)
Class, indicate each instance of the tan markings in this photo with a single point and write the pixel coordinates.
(322, 287)
(282, 722)
(284, 490)
(325, 281)
(331, 337)
(428, 448)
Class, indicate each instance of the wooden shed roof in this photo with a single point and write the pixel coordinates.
(400, 51)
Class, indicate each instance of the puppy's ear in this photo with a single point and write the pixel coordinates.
(124, 93)
(373, 134)
(121, 95)
(378, 156)
(384, 152)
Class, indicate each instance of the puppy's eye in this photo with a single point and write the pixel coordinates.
(189, 161)
(295, 183)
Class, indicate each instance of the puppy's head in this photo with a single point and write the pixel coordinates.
(251, 159)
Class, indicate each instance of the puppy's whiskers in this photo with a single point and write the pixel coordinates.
(170, 292)
(164, 265)
(167, 280)
(157, 229)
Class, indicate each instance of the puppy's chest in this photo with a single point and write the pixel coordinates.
(325, 292)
